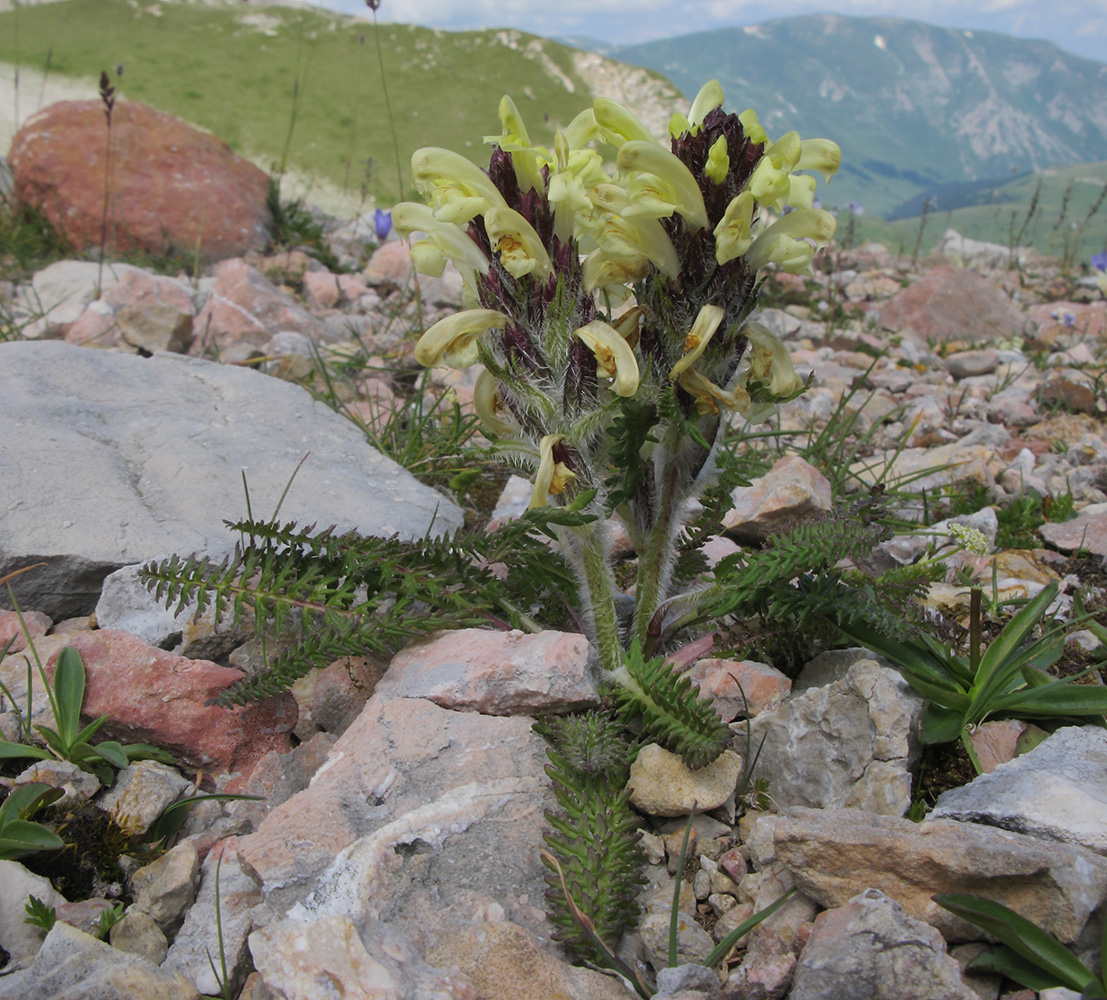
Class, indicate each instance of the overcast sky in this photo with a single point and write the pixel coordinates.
(1079, 26)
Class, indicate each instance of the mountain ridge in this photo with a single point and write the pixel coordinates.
(912, 105)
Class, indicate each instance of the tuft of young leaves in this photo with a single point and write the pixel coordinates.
(594, 833)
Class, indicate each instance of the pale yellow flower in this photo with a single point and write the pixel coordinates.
(526, 159)
(489, 403)
(660, 184)
(614, 357)
(519, 246)
(718, 161)
(733, 234)
(552, 477)
(458, 189)
(703, 329)
(792, 240)
(708, 396)
(769, 359)
(454, 341)
(617, 125)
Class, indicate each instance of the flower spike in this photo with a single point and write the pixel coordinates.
(458, 188)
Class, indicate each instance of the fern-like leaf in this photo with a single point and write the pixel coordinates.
(669, 710)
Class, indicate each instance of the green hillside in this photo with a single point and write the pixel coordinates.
(241, 71)
(1065, 217)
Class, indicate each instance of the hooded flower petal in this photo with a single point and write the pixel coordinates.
(709, 396)
(552, 477)
(617, 124)
(526, 159)
(635, 237)
(488, 401)
(769, 359)
(733, 234)
(718, 161)
(660, 184)
(612, 273)
(458, 189)
(752, 127)
(453, 341)
(703, 329)
(821, 155)
(614, 357)
(707, 100)
(791, 241)
(519, 246)
(444, 241)
(769, 182)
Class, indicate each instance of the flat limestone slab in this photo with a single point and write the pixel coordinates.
(110, 459)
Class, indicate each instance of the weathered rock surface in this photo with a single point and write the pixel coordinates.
(1056, 791)
(833, 854)
(954, 303)
(496, 673)
(449, 812)
(661, 784)
(117, 459)
(791, 492)
(172, 187)
(870, 949)
(846, 743)
(74, 964)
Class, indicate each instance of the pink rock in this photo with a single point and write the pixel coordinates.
(152, 696)
(172, 186)
(390, 267)
(996, 742)
(330, 699)
(12, 629)
(1088, 530)
(143, 311)
(1054, 319)
(321, 288)
(791, 492)
(765, 687)
(953, 303)
(421, 816)
(496, 673)
(245, 310)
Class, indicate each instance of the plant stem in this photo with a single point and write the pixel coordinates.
(974, 629)
(655, 562)
(587, 553)
(388, 107)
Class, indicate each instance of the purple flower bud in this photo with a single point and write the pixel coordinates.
(1099, 261)
(382, 222)
(373, 4)
(855, 207)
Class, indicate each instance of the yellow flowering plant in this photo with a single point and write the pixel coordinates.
(609, 304)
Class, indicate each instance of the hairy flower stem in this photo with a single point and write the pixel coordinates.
(584, 546)
(655, 560)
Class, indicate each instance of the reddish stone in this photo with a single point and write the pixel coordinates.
(245, 310)
(12, 629)
(1056, 319)
(152, 696)
(143, 311)
(172, 186)
(954, 303)
(725, 681)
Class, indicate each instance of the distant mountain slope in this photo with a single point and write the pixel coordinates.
(913, 106)
(265, 77)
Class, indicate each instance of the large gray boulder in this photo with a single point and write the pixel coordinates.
(111, 459)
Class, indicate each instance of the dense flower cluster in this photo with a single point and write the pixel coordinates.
(609, 302)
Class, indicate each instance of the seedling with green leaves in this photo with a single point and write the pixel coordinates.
(69, 740)
(1007, 680)
(19, 834)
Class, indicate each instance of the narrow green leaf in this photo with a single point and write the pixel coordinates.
(69, 690)
(113, 753)
(940, 724)
(722, 949)
(14, 751)
(20, 838)
(1001, 959)
(1021, 936)
(1018, 628)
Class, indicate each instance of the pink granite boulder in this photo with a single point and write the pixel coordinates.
(954, 303)
(172, 186)
(152, 696)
